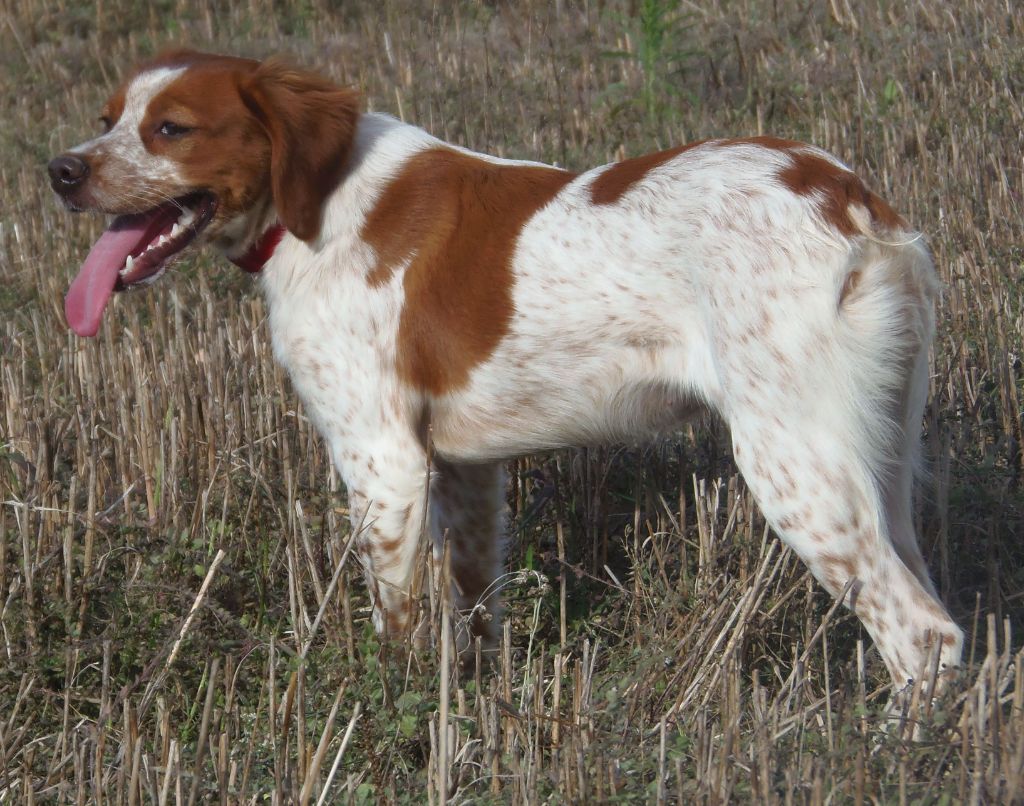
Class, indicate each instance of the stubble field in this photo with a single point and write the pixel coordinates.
(180, 621)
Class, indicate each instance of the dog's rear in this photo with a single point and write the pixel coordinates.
(830, 451)
(813, 308)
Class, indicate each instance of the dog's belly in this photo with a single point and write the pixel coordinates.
(527, 399)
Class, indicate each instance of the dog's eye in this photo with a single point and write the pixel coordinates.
(170, 129)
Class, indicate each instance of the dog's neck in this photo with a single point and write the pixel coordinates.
(261, 251)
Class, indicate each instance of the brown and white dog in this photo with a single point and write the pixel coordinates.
(440, 307)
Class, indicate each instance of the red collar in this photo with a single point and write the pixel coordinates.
(261, 251)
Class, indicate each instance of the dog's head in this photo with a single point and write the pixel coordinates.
(198, 147)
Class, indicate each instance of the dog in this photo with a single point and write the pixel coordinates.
(440, 310)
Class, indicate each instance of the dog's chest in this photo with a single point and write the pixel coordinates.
(336, 342)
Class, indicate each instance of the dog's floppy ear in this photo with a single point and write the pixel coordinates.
(310, 122)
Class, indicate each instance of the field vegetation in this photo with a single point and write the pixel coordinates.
(180, 618)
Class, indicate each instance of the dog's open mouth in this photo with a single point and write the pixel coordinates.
(134, 251)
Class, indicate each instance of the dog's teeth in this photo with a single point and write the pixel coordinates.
(175, 229)
(162, 241)
(128, 264)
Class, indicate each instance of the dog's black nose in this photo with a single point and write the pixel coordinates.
(67, 172)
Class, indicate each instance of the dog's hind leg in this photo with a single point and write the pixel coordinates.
(823, 502)
(824, 407)
(467, 510)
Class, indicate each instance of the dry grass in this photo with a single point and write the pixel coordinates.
(179, 621)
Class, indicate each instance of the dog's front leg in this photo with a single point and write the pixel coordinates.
(386, 474)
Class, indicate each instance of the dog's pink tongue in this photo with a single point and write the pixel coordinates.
(91, 289)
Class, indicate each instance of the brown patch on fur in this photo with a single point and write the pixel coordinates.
(456, 218)
(114, 107)
(613, 182)
(812, 175)
(310, 122)
(882, 213)
(844, 564)
(835, 188)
